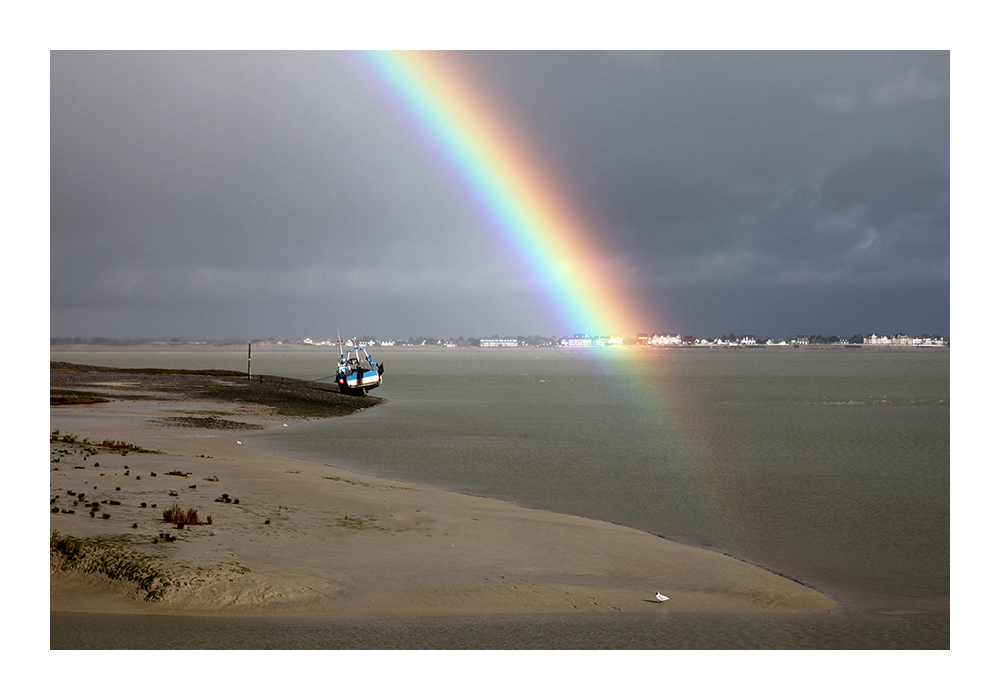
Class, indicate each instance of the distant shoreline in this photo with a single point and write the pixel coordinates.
(127, 345)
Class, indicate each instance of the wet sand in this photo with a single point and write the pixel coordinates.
(308, 539)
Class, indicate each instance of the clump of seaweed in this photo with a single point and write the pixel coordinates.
(70, 438)
(94, 555)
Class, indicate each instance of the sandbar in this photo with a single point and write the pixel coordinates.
(308, 539)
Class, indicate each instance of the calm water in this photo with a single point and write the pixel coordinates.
(829, 466)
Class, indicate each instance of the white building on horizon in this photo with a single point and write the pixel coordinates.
(498, 342)
(658, 339)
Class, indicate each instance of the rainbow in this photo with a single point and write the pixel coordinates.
(586, 288)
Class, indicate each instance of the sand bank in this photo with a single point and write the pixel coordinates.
(309, 539)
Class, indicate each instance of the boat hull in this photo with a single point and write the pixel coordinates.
(352, 385)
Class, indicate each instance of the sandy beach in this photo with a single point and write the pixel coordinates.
(289, 537)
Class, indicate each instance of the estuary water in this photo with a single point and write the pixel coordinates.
(830, 466)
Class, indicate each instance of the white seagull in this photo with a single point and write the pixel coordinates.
(660, 597)
(238, 442)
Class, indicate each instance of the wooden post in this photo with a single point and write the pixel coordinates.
(249, 355)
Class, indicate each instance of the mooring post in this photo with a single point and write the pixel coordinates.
(249, 355)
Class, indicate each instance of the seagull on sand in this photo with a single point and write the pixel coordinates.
(660, 597)
(238, 442)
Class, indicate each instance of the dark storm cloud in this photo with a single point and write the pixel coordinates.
(214, 194)
(761, 168)
(901, 196)
(775, 171)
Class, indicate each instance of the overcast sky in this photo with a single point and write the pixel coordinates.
(252, 195)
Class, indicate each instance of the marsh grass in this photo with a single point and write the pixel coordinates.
(111, 558)
(111, 445)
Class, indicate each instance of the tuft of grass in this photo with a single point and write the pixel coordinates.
(176, 514)
(71, 549)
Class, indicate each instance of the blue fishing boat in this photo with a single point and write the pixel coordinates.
(356, 374)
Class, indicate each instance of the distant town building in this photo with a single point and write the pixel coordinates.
(498, 342)
(903, 339)
(591, 341)
(577, 341)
